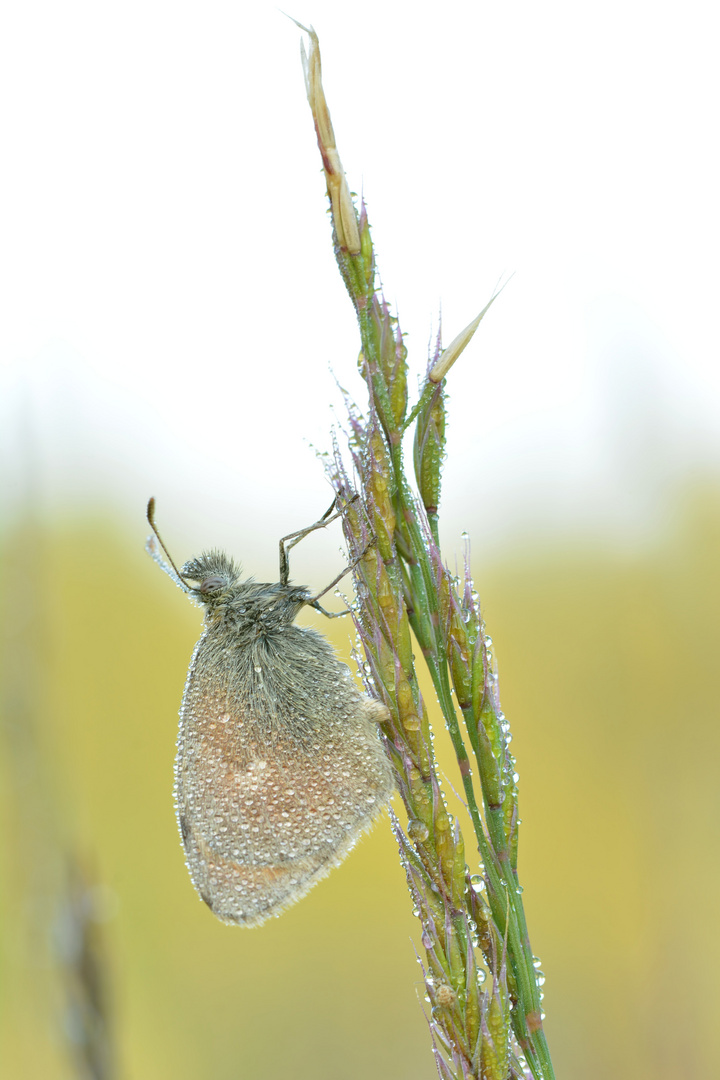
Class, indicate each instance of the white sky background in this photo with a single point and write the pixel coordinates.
(171, 305)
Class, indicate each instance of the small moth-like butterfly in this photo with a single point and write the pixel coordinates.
(279, 765)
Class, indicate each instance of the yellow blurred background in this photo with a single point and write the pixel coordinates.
(608, 677)
(170, 312)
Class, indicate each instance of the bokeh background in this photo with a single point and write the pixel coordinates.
(174, 325)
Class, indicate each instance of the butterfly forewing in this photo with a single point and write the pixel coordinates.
(273, 789)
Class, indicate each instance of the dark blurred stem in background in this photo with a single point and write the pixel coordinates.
(54, 903)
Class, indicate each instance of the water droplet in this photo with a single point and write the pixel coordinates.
(417, 830)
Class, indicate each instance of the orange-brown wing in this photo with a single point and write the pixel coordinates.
(263, 815)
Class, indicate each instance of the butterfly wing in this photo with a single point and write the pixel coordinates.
(264, 812)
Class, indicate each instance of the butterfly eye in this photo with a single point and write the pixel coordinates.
(211, 584)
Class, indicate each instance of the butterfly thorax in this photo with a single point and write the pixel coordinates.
(248, 608)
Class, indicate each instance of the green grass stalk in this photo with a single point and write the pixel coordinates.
(480, 973)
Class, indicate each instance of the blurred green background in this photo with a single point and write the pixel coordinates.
(608, 676)
(170, 311)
